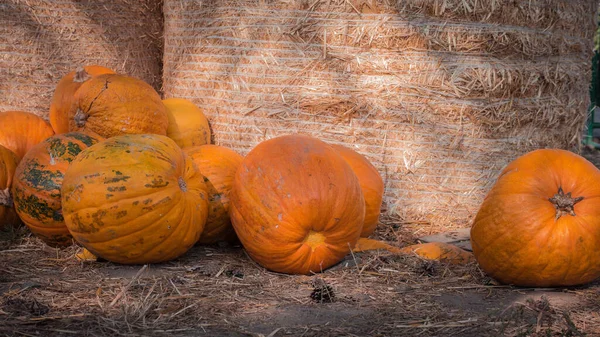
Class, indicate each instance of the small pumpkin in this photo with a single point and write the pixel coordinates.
(112, 104)
(37, 183)
(370, 183)
(64, 94)
(440, 251)
(539, 225)
(188, 126)
(135, 199)
(22, 130)
(296, 205)
(8, 165)
(218, 165)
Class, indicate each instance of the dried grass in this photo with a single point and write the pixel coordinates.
(42, 40)
(439, 95)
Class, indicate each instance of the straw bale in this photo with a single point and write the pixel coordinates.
(42, 40)
(439, 95)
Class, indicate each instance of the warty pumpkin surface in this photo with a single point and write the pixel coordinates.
(370, 183)
(37, 183)
(64, 95)
(296, 205)
(188, 126)
(218, 165)
(20, 131)
(8, 165)
(540, 223)
(135, 199)
(112, 104)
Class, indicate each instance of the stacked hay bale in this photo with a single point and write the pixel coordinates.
(438, 94)
(42, 40)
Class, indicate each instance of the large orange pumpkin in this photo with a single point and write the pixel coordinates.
(64, 94)
(135, 199)
(188, 126)
(296, 205)
(540, 223)
(371, 184)
(218, 165)
(113, 104)
(20, 131)
(8, 164)
(37, 183)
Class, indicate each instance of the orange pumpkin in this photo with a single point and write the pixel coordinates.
(37, 183)
(21, 130)
(371, 184)
(112, 104)
(439, 251)
(135, 199)
(8, 164)
(539, 225)
(296, 205)
(218, 165)
(64, 95)
(188, 125)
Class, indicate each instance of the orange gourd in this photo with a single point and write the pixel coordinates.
(539, 225)
(64, 94)
(296, 205)
(21, 130)
(188, 126)
(8, 164)
(37, 183)
(370, 183)
(439, 251)
(218, 165)
(135, 199)
(112, 104)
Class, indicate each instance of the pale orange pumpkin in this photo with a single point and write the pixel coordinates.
(112, 104)
(64, 95)
(370, 183)
(218, 165)
(440, 251)
(8, 165)
(37, 183)
(188, 126)
(296, 205)
(134, 199)
(539, 225)
(21, 130)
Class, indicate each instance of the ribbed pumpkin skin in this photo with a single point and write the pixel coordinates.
(218, 165)
(113, 104)
(20, 131)
(188, 126)
(8, 165)
(516, 237)
(135, 199)
(296, 205)
(64, 95)
(371, 184)
(37, 183)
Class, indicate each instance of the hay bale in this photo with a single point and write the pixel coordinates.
(440, 94)
(42, 40)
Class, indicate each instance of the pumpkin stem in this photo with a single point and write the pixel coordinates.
(80, 118)
(182, 184)
(81, 75)
(564, 203)
(5, 198)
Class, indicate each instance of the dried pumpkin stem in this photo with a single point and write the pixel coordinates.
(81, 75)
(5, 198)
(564, 203)
(80, 118)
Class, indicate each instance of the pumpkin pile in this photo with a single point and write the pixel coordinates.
(134, 179)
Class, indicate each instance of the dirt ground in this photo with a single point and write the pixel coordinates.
(219, 291)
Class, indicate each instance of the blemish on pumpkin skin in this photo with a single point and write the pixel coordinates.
(116, 188)
(135, 203)
(121, 214)
(108, 196)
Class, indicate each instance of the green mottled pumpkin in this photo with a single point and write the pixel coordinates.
(135, 199)
(37, 183)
